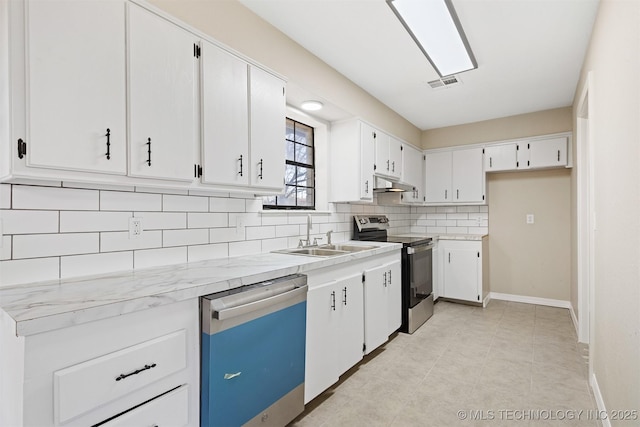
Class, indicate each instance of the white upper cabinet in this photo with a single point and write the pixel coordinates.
(501, 157)
(388, 155)
(162, 97)
(413, 173)
(454, 176)
(438, 177)
(225, 117)
(243, 123)
(267, 130)
(76, 85)
(352, 159)
(467, 176)
(543, 153)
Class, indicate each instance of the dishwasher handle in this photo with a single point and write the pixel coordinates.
(287, 293)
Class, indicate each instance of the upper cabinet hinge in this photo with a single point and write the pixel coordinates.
(517, 147)
(196, 50)
(478, 254)
(401, 147)
(362, 277)
(374, 135)
(483, 151)
(483, 197)
(22, 148)
(197, 171)
(374, 166)
(528, 146)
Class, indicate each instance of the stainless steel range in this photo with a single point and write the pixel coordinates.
(417, 268)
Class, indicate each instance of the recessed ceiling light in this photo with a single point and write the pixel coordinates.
(312, 105)
(434, 26)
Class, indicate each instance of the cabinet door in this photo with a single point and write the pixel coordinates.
(76, 81)
(413, 173)
(394, 296)
(349, 335)
(395, 157)
(382, 162)
(267, 130)
(367, 148)
(468, 176)
(322, 325)
(225, 117)
(500, 158)
(548, 153)
(461, 267)
(438, 177)
(376, 307)
(162, 97)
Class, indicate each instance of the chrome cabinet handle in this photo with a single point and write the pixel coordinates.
(231, 376)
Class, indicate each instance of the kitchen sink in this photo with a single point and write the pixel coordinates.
(348, 248)
(316, 251)
(325, 250)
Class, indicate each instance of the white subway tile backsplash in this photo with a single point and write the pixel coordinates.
(230, 234)
(274, 219)
(29, 270)
(253, 205)
(204, 252)
(254, 233)
(207, 193)
(84, 221)
(120, 201)
(84, 265)
(446, 223)
(287, 230)
(437, 216)
(162, 190)
(246, 247)
(5, 196)
(5, 251)
(221, 204)
(29, 222)
(45, 245)
(468, 208)
(120, 241)
(458, 216)
(162, 220)
(269, 245)
(158, 257)
(54, 198)
(197, 236)
(484, 208)
(457, 230)
(446, 209)
(207, 219)
(172, 203)
(71, 184)
(478, 230)
(246, 219)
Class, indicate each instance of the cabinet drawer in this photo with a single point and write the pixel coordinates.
(171, 409)
(85, 386)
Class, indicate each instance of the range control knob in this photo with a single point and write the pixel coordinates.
(362, 220)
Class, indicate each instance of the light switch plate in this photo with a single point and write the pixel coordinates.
(530, 219)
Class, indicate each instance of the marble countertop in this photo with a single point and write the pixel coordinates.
(45, 306)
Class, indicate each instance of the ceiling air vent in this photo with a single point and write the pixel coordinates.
(445, 82)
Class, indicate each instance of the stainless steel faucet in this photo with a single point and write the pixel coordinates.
(309, 224)
(329, 236)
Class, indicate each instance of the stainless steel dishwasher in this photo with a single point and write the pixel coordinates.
(253, 352)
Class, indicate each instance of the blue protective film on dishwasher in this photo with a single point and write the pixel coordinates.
(262, 361)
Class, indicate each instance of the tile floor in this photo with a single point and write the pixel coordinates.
(509, 364)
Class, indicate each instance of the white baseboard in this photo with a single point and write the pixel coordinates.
(486, 300)
(575, 321)
(599, 400)
(531, 300)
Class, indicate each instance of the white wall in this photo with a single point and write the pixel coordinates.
(613, 58)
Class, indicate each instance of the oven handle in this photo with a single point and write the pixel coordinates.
(416, 249)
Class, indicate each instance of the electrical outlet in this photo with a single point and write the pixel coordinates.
(530, 219)
(135, 227)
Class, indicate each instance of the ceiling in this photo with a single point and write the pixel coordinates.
(529, 55)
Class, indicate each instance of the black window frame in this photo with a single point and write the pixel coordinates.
(296, 164)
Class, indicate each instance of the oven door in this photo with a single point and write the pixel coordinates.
(420, 266)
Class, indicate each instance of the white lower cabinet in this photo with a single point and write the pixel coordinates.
(334, 332)
(140, 368)
(464, 266)
(345, 303)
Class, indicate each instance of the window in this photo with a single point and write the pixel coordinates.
(299, 192)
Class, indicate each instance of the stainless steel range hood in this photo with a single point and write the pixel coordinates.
(382, 185)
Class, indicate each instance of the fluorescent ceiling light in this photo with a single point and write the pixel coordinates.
(312, 105)
(435, 27)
